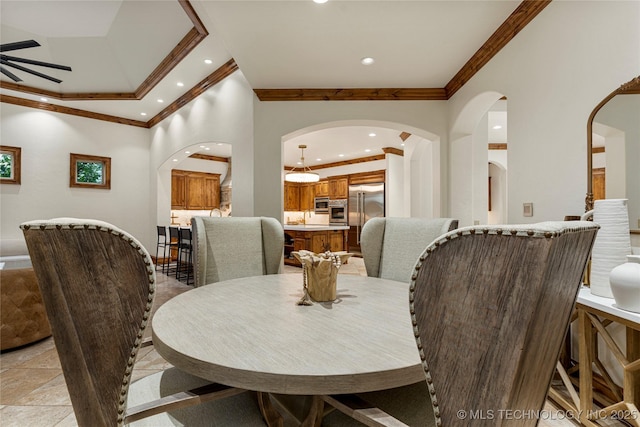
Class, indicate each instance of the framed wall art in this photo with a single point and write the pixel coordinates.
(10, 164)
(90, 171)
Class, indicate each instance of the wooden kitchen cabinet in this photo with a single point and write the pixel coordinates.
(322, 188)
(319, 241)
(178, 190)
(194, 190)
(337, 240)
(298, 196)
(316, 241)
(338, 187)
(307, 194)
(291, 196)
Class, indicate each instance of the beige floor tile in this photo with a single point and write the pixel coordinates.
(152, 360)
(68, 421)
(18, 356)
(46, 360)
(33, 416)
(53, 393)
(17, 383)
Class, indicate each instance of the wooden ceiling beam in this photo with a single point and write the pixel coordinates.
(521, 16)
(212, 79)
(352, 94)
(73, 111)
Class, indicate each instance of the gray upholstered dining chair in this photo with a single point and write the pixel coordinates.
(391, 246)
(490, 307)
(234, 247)
(98, 285)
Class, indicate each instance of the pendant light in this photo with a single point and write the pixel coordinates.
(304, 175)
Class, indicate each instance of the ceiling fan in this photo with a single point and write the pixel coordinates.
(9, 61)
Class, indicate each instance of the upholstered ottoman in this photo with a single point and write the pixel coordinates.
(24, 319)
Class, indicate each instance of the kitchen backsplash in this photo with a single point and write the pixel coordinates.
(180, 217)
(293, 217)
(183, 217)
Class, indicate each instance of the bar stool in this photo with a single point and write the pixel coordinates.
(161, 243)
(185, 255)
(174, 237)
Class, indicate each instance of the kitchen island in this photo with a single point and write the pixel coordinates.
(313, 237)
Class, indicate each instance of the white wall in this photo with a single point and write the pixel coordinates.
(224, 114)
(274, 120)
(553, 77)
(46, 140)
(394, 186)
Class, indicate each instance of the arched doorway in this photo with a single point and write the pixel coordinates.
(201, 157)
(473, 147)
(411, 160)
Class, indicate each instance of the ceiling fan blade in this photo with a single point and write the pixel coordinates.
(5, 47)
(10, 74)
(26, 70)
(33, 62)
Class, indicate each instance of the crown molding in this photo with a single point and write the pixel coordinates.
(211, 158)
(212, 79)
(68, 110)
(370, 94)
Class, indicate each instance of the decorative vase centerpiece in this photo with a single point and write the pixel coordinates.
(612, 244)
(625, 284)
(320, 273)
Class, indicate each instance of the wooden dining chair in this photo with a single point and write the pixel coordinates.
(234, 247)
(490, 307)
(98, 285)
(391, 246)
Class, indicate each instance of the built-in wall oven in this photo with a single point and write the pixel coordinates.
(321, 205)
(338, 212)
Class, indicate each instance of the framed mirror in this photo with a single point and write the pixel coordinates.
(613, 150)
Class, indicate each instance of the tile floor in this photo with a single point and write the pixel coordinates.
(32, 388)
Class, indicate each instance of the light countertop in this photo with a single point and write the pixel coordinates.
(314, 227)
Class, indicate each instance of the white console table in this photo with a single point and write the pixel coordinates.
(593, 315)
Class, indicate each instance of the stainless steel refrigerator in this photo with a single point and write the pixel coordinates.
(366, 201)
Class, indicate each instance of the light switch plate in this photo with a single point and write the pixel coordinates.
(527, 209)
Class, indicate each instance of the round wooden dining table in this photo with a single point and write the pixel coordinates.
(251, 334)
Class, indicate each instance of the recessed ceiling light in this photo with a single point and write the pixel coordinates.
(143, 114)
(180, 84)
(340, 155)
(187, 152)
(299, 163)
(320, 1)
(372, 134)
(160, 101)
(497, 127)
(175, 160)
(367, 150)
(44, 99)
(208, 61)
(402, 144)
(317, 160)
(207, 148)
(202, 146)
(219, 143)
(367, 60)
